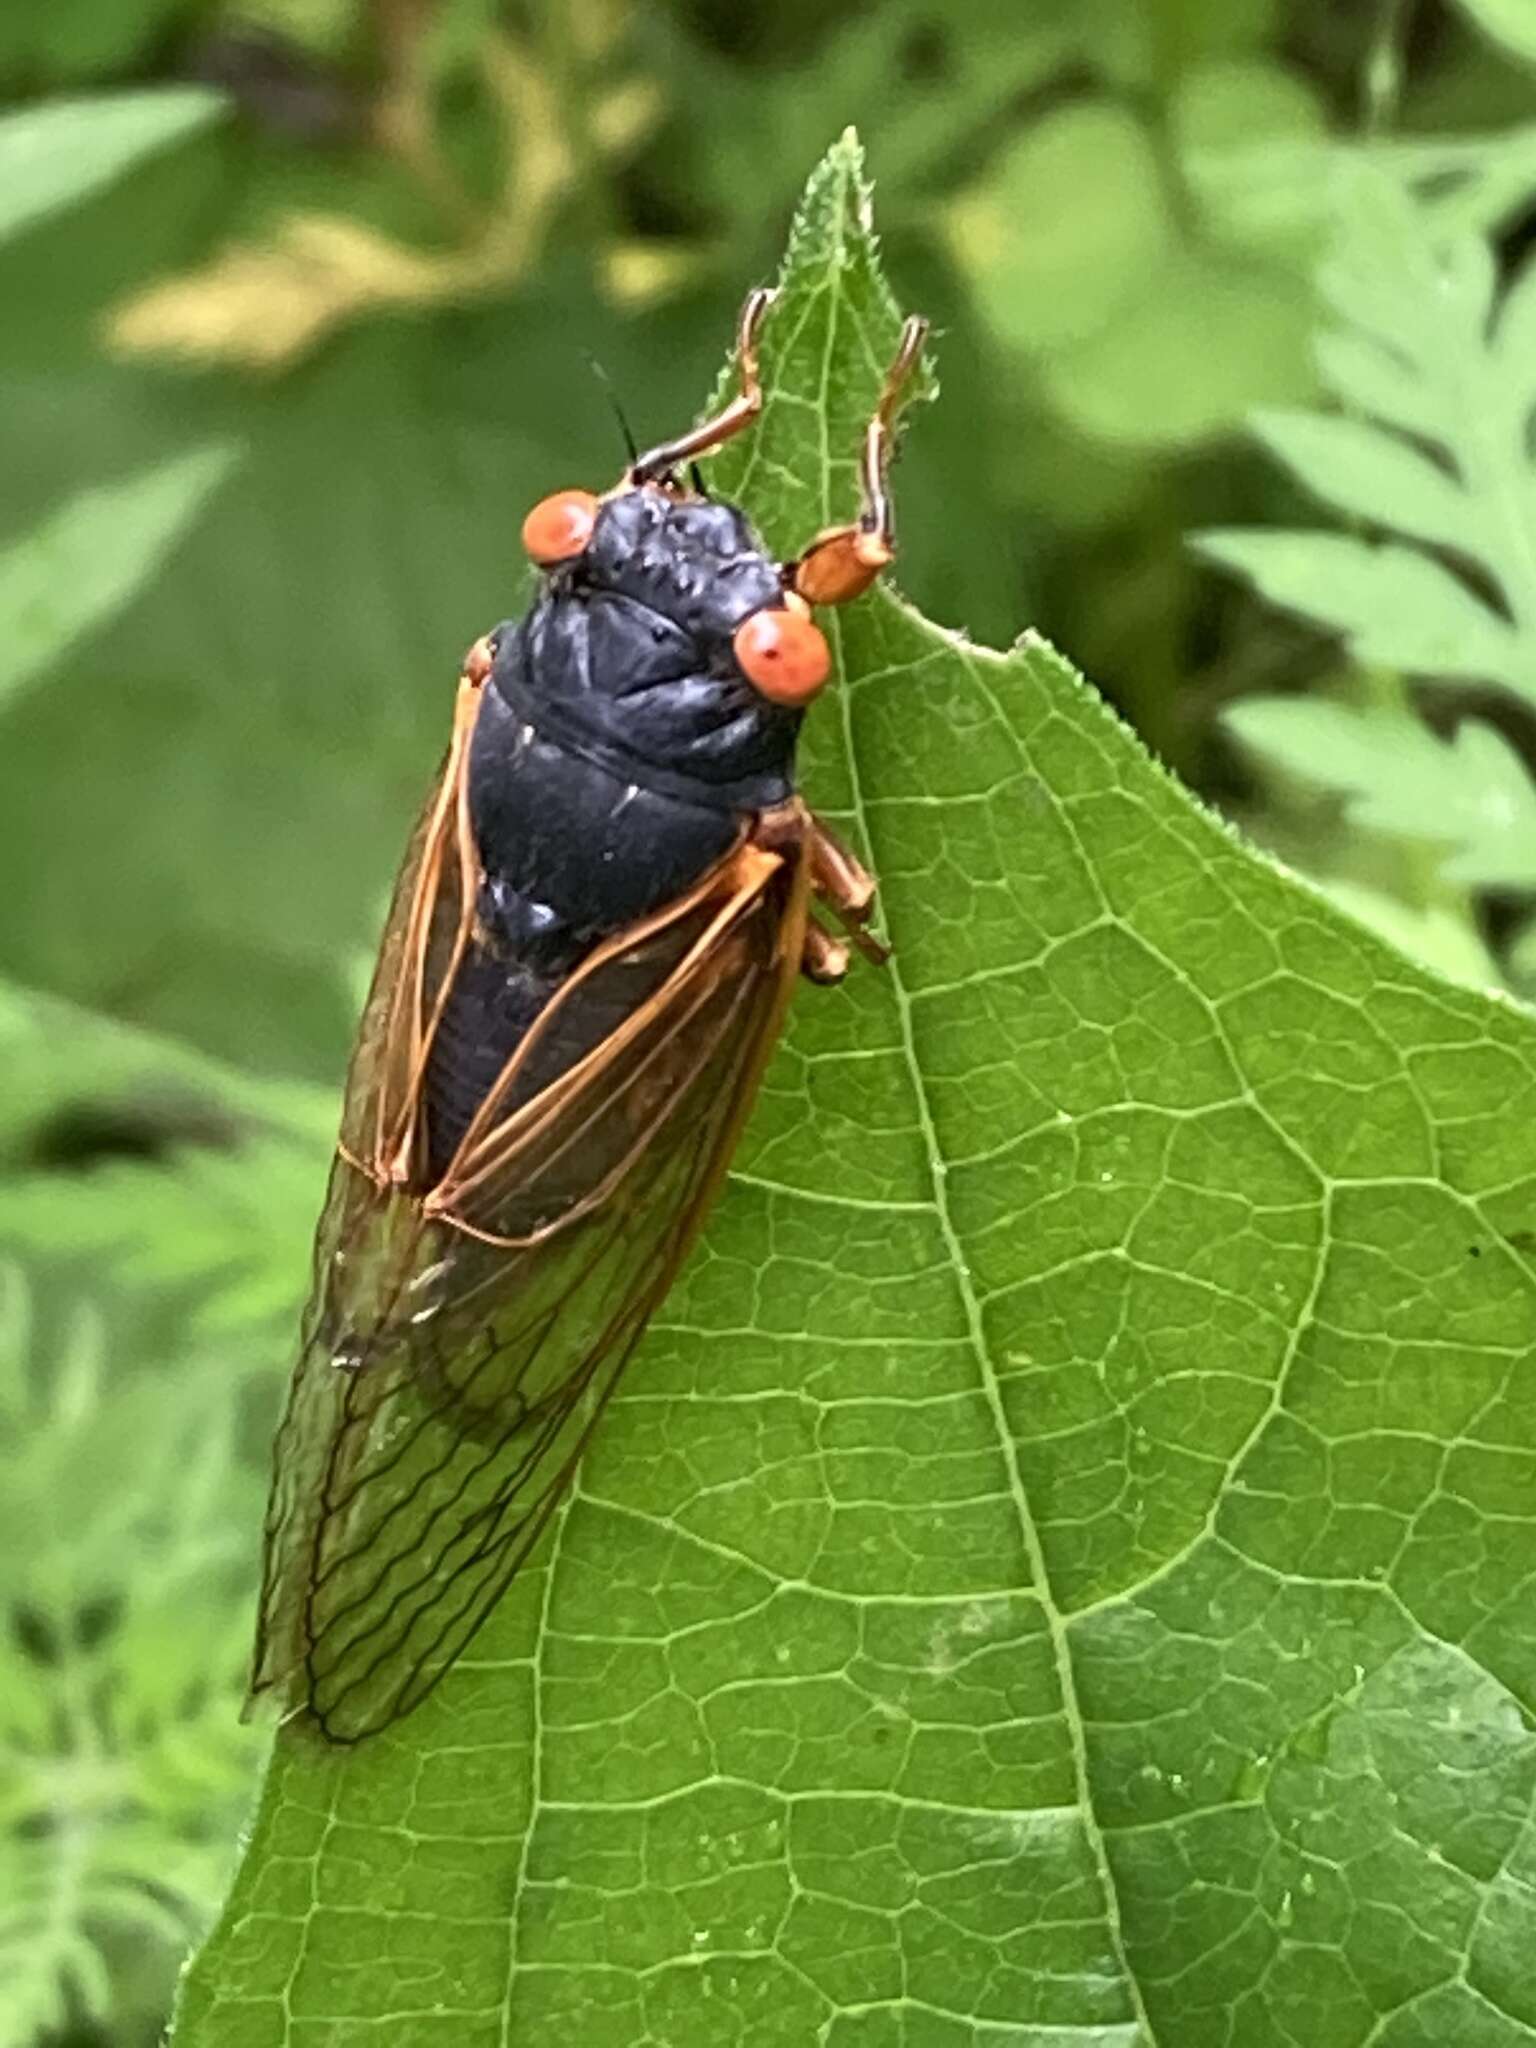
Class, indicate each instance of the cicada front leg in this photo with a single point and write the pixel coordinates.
(657, 464)
(841, 563)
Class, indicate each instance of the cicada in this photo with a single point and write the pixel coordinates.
(599, 921)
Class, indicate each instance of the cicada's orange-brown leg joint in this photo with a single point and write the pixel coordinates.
(847, 888)
(823, 959)
(478, 663)
(841, 563)
(657, 463)
(839, 881)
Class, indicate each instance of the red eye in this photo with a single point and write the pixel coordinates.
(782, 655)
(559, 527)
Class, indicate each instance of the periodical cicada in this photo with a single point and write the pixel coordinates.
(596, 929)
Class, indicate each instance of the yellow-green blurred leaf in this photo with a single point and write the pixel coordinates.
(1067, 228)
(1511, 23)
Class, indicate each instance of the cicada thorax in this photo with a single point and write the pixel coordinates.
(570, 855)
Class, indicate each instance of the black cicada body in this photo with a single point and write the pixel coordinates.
(595, 933)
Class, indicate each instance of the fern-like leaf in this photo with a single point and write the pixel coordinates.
(1471, 794)
(124, 1569)
(1429, 461)
(1431, 454)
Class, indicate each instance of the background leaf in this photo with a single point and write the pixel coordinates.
(1082, 259)
(1088, 170)
(56, 155)
(1394, 606)
(122, 1768)
(80, 563)
(1436, 445)
(1471, 792)
(1427, 352)
(1061, 1563)
(1509, 22)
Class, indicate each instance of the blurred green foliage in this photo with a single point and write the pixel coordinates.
(296, 298)
(1428, 358)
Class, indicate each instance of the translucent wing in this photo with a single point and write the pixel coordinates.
(462, 1338)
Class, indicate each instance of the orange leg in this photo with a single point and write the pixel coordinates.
(838, 880)
(842, 562)
(846, 887)
(658, 463)
(478, 662)
(823, 959)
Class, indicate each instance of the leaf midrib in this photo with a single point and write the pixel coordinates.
(954, 1251)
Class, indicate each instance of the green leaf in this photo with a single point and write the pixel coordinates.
(1509, 22)
(126, 1559)
(1437, 384)
(1470, 184)
(1246, 324)
(59, 153)
(58, 1057)
(92, 554)
(1473, 793)
(1394, 607)
(1252, 140)
(1059, 1568)
(1073, 252)
(123, 1769)
(1363, 472)
(1067, 226)
(193, 1175)
(1080, 257)
(1439, 938)
(1434, 443)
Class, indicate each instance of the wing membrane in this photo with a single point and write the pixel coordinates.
(463, 1339)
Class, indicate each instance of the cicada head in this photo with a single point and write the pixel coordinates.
(666, 634)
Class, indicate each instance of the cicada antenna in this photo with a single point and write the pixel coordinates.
(631, 445)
